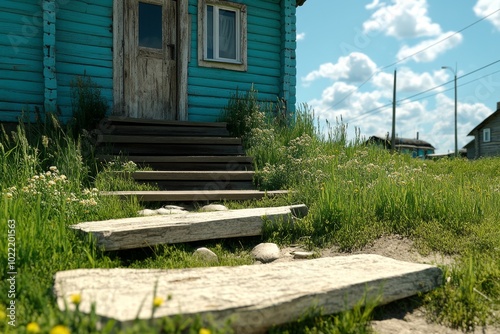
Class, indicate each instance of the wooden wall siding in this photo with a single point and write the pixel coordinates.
(21, 58)
(49, 55)
(288, 58)
(491, 148)
(84, 44)
(209, 89)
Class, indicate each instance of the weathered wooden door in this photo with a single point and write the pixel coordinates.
(150, 59)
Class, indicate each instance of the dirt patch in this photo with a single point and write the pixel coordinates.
(398, 248)
(400, 317)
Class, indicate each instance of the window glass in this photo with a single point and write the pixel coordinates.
(486, 135)
(210, 32)
(150, 26)
(227, 34)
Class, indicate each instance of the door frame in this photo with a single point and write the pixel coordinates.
(182, 57)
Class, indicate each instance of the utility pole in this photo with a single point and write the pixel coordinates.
(455, 80)
(393, 135)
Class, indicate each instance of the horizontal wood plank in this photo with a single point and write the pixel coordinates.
(253, 297)
(195, 195)
(142, 121)
(117, 139)
(165, 130)
(137, 232)
(193, 175)
(182, 159)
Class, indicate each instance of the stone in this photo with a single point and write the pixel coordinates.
(206, 255)
(253, 298)
(266, 252)
(164, 211)
(147, 212)
(302, 255)
(173, 207)
(213, 207)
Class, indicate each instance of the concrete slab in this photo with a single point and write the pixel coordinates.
(127, 233)
(254, 297)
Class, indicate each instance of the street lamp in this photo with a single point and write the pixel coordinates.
(455, 74)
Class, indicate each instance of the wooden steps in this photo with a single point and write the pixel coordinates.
(192, 161)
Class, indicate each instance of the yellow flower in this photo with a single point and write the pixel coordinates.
(204, 331)
(33, 327)
(3, 315)
(76, 298)
(158, 301)
(60, 329)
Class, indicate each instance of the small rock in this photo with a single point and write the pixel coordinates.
(206, 254)
(173, 207)
(164, 211)
(266, 252)
(302, 255)
(213, 207)
(147, 212)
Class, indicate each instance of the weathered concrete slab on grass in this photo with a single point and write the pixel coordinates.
(139, 232)
(254, 297)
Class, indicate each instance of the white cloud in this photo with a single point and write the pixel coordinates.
(301, 36)
(402, 19)
(430, 49)
(374, 4)
(371, 111)
(486, 7)
(409, 81)
(355, 67)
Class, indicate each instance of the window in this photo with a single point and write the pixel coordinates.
(150, 26)
(486, 135)
(222, 34)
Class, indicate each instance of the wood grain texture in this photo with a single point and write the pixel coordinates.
(253, 297)
(195, 195)
(140, 232)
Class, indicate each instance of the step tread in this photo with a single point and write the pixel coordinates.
(140, 121)
(195, 195)
(181, 159)
(126, 139)
(165, 130)
(193, 175)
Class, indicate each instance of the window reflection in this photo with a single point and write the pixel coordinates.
(150, 26)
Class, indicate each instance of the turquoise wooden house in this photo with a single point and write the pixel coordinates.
(156, 59)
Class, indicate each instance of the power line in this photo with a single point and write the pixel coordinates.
(401, 102)
(403, 59)
(409, 98)
(441, 40)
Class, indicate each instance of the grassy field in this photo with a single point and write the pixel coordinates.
(49, 179)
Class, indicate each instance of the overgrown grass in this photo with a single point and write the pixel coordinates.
(49, 180)
(358, 192)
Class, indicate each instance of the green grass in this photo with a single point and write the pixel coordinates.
(49, 180)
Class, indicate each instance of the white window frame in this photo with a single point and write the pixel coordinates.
(486, 135)
(239, 64)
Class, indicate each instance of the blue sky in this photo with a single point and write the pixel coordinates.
(347, 52)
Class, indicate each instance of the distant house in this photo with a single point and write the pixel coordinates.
(486, 142)
(415, 147)
(156, 59)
